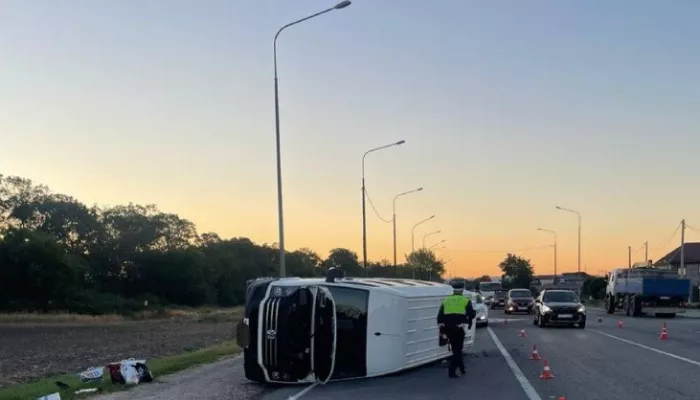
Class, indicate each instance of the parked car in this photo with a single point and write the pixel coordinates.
(519, 300)
(559, 307)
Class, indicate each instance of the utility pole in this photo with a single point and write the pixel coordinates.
(685, 272)
(364, 195)
(555, 261)
(629, 256)
(646, 253)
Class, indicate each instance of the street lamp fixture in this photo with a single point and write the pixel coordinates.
(429, 234)
(579, 232)
(364, 194)
(555, 250)
(437, 244)
(393, 219)
(280, 208)
(413, 232)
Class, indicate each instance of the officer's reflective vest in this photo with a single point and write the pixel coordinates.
(455, 304)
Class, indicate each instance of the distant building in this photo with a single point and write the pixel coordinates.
(691, 261)
(567, 280)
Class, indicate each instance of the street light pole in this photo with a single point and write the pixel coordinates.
(393, 219)
(428, 234)
(579, 233)
(555, 251)
(280, 207)
(364, 213)
(436, 244)
(413, 232)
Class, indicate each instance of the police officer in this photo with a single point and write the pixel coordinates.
(456, 311)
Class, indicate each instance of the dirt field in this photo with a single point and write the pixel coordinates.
(31, 350)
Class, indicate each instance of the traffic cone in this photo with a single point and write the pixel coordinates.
(619, 324)
(535, 355)
(522, 333)
(562, 398)
(546, 372)
(664, 333)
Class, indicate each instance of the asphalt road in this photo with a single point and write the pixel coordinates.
(602, 361)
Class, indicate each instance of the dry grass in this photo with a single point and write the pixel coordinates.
(205, 314)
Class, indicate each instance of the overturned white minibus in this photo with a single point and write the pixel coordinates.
(303, 330)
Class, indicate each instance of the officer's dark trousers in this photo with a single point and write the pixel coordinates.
(456, 337)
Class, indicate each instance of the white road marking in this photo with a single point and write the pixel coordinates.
(677, 357)
(504, 319)
(524, 383)
(303, 391)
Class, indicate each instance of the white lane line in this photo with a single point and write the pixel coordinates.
(303, 391)
(677, 357)
(524, 383)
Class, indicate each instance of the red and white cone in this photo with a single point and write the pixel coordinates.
(535, 355)
(619, 324)
(664, 333)
(546, 372)
(522, 333)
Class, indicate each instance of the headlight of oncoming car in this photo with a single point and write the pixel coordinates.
(582, 309)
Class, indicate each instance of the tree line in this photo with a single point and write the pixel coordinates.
(58, 254)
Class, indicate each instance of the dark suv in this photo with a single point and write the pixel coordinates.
(559, 307)
(519, 300)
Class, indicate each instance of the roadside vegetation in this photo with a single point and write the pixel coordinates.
(84, 285)
(158, 366)
(60, 255)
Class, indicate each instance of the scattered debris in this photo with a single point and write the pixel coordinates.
(130, 371)
(52, 396)
(92, 374)
(87, 390)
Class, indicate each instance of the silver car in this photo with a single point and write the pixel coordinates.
(482, 310)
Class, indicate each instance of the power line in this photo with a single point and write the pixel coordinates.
(639, 249)
(669, 239)
(375, 208)
(696, 230)
(506, 251)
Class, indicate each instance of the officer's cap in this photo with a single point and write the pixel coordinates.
(457, 285)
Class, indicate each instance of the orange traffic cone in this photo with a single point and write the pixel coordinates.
(522, 333)
(664, 333)
(535, 355)
(619, 324)
(546, 372)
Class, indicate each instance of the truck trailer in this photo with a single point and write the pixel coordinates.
(648, 290)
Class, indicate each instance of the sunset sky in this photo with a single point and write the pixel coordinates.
(508, 108)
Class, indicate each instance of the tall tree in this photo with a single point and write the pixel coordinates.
(517, 271)
(426, 264)
(346, 259)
